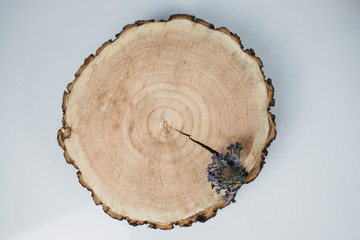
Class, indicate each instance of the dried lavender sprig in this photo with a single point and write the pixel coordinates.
(230, 160)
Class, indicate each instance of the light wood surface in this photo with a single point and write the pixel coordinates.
(141, 116)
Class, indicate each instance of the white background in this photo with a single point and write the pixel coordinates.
(309, 188)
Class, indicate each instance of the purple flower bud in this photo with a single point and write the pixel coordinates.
(231, 146)
(234, 157)
(222, 155)
(238, 146)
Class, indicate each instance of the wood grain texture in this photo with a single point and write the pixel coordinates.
(140, 112)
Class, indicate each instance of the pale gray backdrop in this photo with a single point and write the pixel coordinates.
(309, 188)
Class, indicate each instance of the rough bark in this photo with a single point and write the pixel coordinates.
(144, 114)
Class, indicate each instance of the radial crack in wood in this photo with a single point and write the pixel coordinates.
(141, 114)
(197, 142)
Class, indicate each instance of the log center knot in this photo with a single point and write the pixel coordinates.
(166, 126)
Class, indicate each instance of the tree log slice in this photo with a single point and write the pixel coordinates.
(144, 114)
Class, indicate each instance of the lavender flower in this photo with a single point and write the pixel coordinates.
(238, 146)
(231, 146)
(234, 157)
(230, 184)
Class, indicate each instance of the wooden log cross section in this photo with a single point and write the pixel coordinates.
(144, 114)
